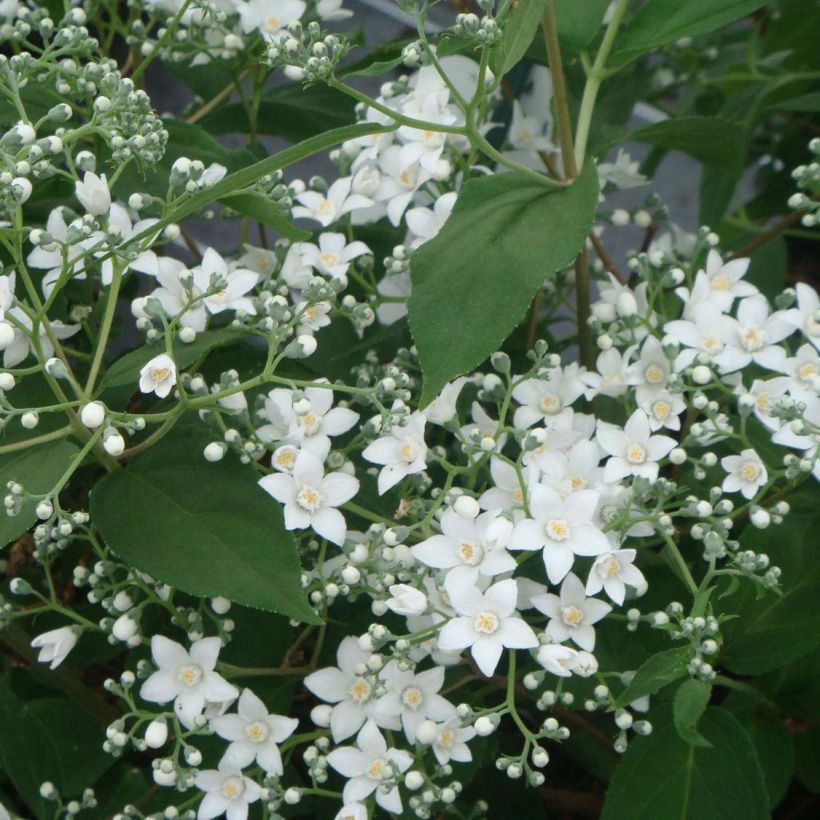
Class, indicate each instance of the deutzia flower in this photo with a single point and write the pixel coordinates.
(228, 792)
(548, 395)
(806, 316)
(350, 687)
(414, 697)
(613, 572)
(310, 497)
(326, 209)
(563, 528)
(405, 600)
(402, 452)
(231, 285)
(6, 293)
(254, 734)
(93, 194)
(371, 767)
(746, 473)
(333, 255)
(469, 547)
(623, 173)
(269, 16)
(159, 375)
(20, 345)
(55, 644)
(486, 622)
(350, 811)
(753, 336)
(332, 10)
(451, 742)
(633, 450)
(425, 223)
(443, 408)
(705, 332)
(557, 659)
(187, 678)
(571, 614)
(725, 280)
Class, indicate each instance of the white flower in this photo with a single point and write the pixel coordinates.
(55, 644)
(371, 767)
(269, 16)
(443, 408)
(402, 452)
(350, 687)
(399, 182)
(93, 194)
(350, 811)
(746, 473)
(574, 470)
(486, 622)
(327, 208)
(562, 527)
(312, 426)
(414, 697)
(470, 547)
(61, 256)
(158, 376)
(725, 280)
(507, 492)
(425, 223)
(753, 336)
(229, 792)
(20, 345)
(332, 10)
(451, 742)
(803, 370)
(187, 678)
(571, 614)
(310, 497)
(705, 332)
(613, 572)
(254, 734)
(633, 450)
(231, 285)
(623, 173)
(394, 286)
(547, 395)
(557, 659)
(6, 293)
(806, 316)
(405, 600)
(333, 255)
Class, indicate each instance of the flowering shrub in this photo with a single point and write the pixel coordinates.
(374, 493)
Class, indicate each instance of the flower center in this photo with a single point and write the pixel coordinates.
(285, 458)
(471, 554)
(328, 259)
(412, 697)
(447, 738)
(750, 471)
(190, 675)
(753, 339)
(661, 409)
(159, 374)
(807, 372)
(486, 623)
(310, 422)
(710, 344)
(408, 178)
(408, 451)
(635, 454)
(654, 374)
(309, 499)
(571, 615)
(518, 496)
(257, 732)
(557, 529)
(609, 568)
(376, 769)
(812, 326)
(360, 690)
(233, 787)
(271, 24)
(325, 207)
(577, 482)
(720, 282)
(550, 403)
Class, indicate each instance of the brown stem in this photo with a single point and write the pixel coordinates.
(773, 232)
(604, 256)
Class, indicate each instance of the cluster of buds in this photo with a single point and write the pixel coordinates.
(306, 53)
(807, 178)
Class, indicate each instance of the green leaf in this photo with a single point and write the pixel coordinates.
(38, 469)
(290, 111)
(659, 22)
(710, 140)
(126, 369)
(775, 750)
(805, 102)
(690, 703)
(660, 670)
(269, 213)
(518, 26)
(374, 69)
(778, 629)
(579, 22)
(472, 283)
(661, 777)
(206, 530)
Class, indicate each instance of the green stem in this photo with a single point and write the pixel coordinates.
(105, 328)
(596, 75)
(166, 36)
